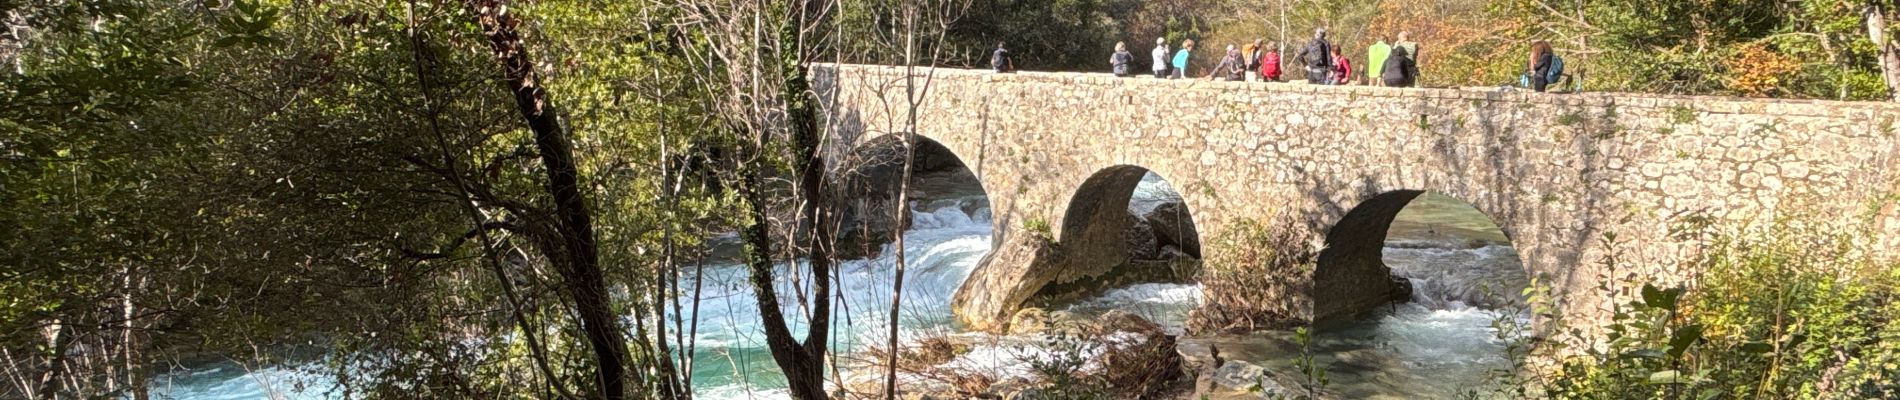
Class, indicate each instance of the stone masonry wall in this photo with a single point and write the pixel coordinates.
(1560, 174)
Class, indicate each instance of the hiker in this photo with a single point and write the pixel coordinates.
(1270, 64)
(1411, 48)
(1250, 59)
(1229, 67)
(1119, 62)
(1399, 70)
(1375, 61)
(1000, 60)
(1181, 59)
(1161, 58)
(1317, 58)
(1342, 70)
(1540, 65)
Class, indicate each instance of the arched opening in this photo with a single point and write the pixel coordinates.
(1463, 284)
(1129, 243)
(869, 178)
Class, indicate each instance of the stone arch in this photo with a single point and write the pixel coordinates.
(868, 174)
(1352, 274)
(1104, 245)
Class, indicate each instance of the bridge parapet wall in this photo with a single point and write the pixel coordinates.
(1572, 179)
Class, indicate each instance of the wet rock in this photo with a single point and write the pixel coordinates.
(1142, 242)
(995, 290)
(1029, 321)
(1123, 321)
(1173, 226)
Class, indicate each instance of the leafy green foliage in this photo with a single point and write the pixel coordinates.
(1787, 314)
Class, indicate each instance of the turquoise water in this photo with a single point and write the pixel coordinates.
(1432, 347)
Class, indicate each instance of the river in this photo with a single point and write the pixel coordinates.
(1431, 347)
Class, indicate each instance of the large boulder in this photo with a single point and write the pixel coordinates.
(1173, 226)
(1142, 242)
(1022, 264)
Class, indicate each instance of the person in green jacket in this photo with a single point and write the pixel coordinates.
(1375, 58)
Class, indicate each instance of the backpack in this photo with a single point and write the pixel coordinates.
(1317, 54)
(999, 59)
(1556, 69)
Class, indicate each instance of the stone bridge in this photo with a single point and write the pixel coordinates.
(1572, 179)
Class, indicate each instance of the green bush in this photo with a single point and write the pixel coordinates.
(1785, 314)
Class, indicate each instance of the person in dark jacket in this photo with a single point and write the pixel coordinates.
(1540, 65)
(1399, 69)
(1001, 61)
(1317, 57)
(1118, 63)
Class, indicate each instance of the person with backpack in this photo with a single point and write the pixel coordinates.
(1270, 63)
(1160, 54)
(1541, 65)
(1317, 57)
(1250, 59)
(1118, 63)
(1399, 70)
(1000, 60)
(1375, 60)
(1229, 67)
(1342, 69)
(1181, 59)
(1411, 50)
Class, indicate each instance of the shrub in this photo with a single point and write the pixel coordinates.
(1784, 314)
(1256, 281)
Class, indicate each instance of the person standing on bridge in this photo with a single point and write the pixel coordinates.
(1399, 70)
(1317, 58)
(1161, 58)
(1342, 69)
(1540, 65)
(1001, 61)
(1270, 63)
(1375, 60)
(1118, 63)
(1250, 59)
(1181, 59)
(1229, 67)
(1411, 50)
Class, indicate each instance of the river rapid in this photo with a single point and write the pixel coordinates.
(1429, 348)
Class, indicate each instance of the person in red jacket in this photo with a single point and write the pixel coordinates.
(1270, 63)
(1342, 69)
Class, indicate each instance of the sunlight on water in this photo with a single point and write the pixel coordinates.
(1441, 342)
(942, 246)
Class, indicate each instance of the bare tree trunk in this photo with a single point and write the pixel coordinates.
(802, 363)
(1889, 51)
(56, 362)
(909, 137)
(491, 255)
(579, 259)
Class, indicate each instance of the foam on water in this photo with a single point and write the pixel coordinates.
(941, 247)
(1166, 304)
(227, 381)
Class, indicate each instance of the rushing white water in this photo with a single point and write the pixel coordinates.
(1441, 343)
(942, 245)
(1433, 347)
(229, 381)
(946, 239)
